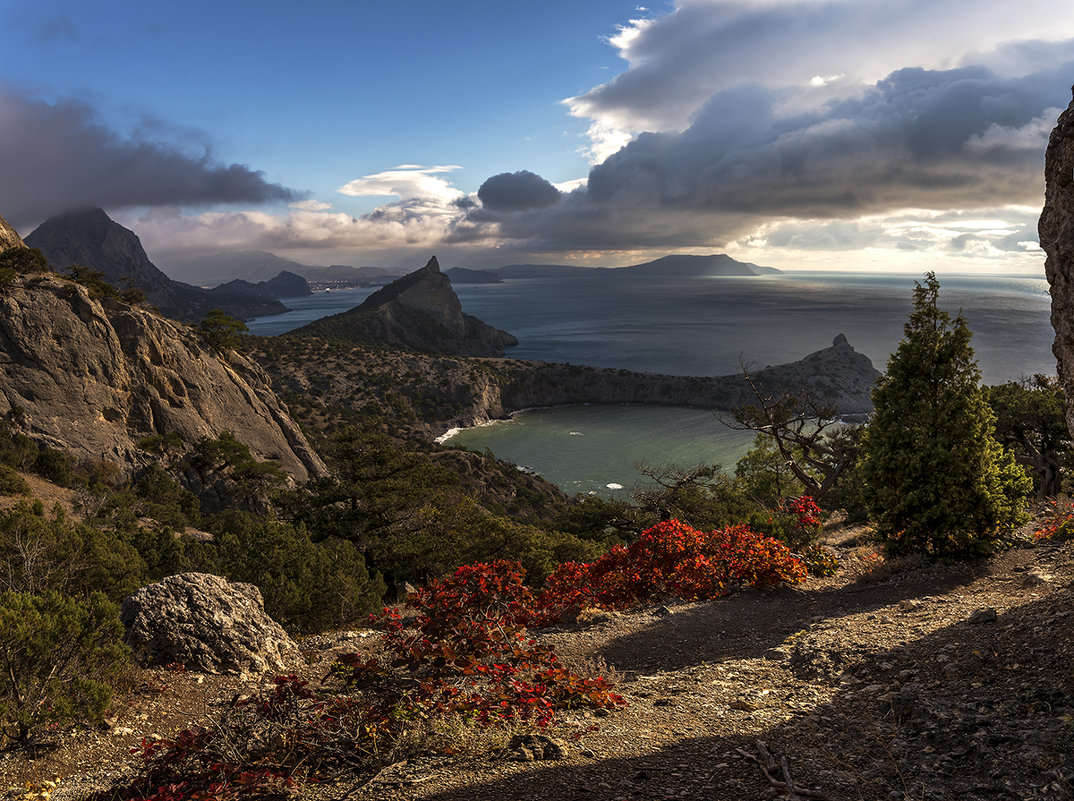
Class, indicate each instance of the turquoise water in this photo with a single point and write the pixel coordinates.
(596, 449)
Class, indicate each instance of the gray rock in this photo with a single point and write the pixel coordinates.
(983, 616)
(207, 624)
(531, 747)
(1056, 231)
(95, 377)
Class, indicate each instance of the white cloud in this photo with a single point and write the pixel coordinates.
(677, 61)
(405, 181)
(310, 205)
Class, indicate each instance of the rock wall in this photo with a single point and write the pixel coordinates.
(9, 237)
(1056, 230)
(95, 378)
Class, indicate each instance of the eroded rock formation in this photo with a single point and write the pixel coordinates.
(1056, 230)
(95, 377)
(419, 311)
(205, 623)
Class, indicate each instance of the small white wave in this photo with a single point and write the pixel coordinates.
(577, 434)
(447, 435)
(613, 485)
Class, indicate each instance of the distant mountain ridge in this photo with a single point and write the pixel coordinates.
(676, 266)
(89, 237)
(254, 266)
(419, 311)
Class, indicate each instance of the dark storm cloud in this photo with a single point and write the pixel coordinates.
(962, 138)
(58, 156)
(517, 191)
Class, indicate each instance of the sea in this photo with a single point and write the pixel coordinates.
(701, 326)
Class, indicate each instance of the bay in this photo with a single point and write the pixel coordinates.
(703, 326)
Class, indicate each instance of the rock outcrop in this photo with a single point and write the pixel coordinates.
(205, 623)
(9, 237)
(95, 377)
(92, 239)
(419, 311)
(1056, 230)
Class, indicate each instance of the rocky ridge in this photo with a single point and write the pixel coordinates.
(94, 377)
(9, 237)
(419, 311)
(444, 393)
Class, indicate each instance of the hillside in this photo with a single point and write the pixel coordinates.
(875, 683)
(94, 376)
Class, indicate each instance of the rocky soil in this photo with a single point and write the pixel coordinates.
(891, 681)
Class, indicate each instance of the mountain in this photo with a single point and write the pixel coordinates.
(284, 285)
(419, 311)
(96, 376)
(254, 266)
(713, 264)
(462, 275)
(92, 239)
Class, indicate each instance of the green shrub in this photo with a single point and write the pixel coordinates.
(936, 481)
(50, 647)
(53, 465)
(306, 586)
(11, 483)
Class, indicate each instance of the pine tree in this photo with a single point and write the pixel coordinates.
(935, 479)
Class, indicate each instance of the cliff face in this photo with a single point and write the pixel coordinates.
(92, 239)
(1056, 230)
(419, 311)
(96, 378)
(9, 237)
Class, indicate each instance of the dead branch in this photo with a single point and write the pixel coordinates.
(772, 769)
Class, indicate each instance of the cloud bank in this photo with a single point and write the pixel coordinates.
(59, 156)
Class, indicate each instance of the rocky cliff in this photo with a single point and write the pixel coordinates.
(419, 311)
(1056, 230)
(96, 377)
(9, 237)
(92, 239)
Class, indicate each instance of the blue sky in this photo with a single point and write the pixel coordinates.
(880, 134)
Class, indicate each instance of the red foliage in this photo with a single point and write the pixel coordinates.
(670, 558)
(465, 651)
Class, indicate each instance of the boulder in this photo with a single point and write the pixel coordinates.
(207, 624)
(1056, 230)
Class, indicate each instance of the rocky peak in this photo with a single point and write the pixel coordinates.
(9, 237)
(419, 311)
(1056, 230)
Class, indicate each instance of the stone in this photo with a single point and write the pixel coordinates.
(1056, 231)
(531, 747)
(983, 616)
(95, 377)
(206, 623)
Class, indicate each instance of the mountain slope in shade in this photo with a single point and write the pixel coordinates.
(711, 265)
(92, 239)
(419, 311)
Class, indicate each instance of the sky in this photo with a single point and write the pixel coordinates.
(888, 135)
